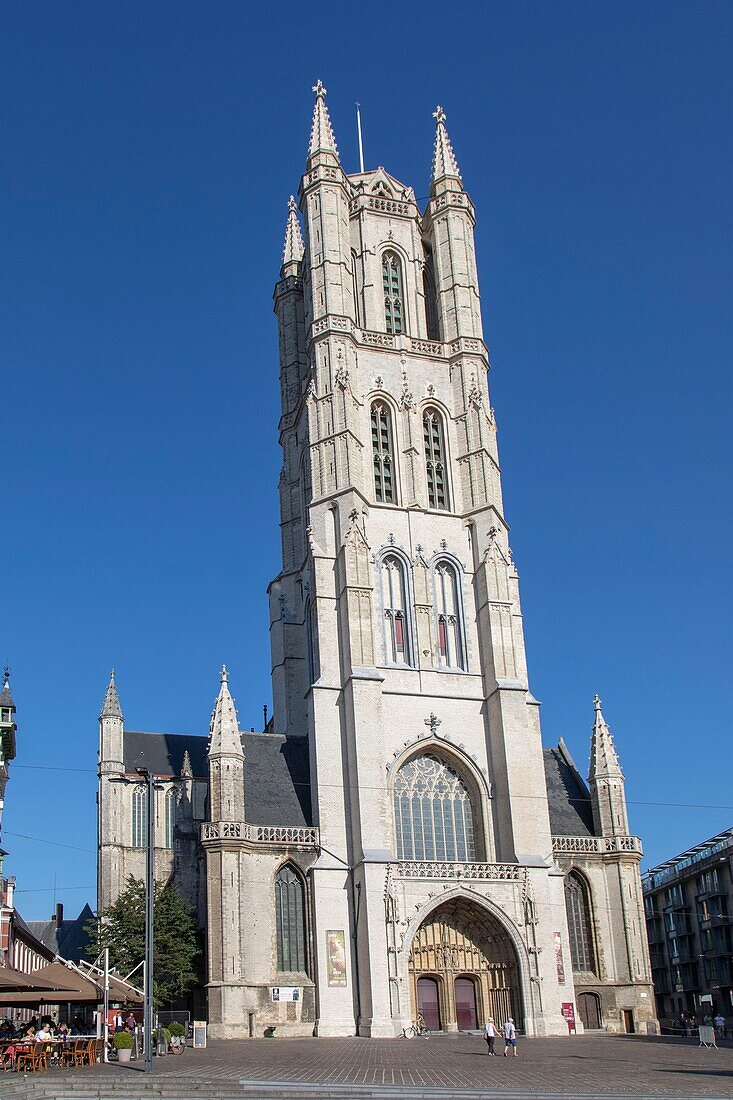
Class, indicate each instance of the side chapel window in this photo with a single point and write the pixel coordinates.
(290, 920)
(433, 812)
(171, 801)
(579, 925)
(434, 440)
(397, 640)
(139, 817)
(448, 618)
(393, 293)
(382, 451)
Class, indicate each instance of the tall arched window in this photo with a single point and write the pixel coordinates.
(393, 293)
(397, 640)
(448, 616)
(431, 299)
(579, 924)
(139, 817)
(290, 920)
(355, 287)
(434, 439)
(382, 453)
(433, 812)
(171, 803)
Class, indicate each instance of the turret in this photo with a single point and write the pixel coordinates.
(226, 759)
(450, 220)
(324, 199)
(606, 780)
(7, 740)
(111, 731)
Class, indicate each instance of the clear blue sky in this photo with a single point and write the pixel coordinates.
(148, 154)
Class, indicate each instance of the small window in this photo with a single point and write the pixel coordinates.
(382, 452)
(139, 817)
(393, 293)
(448, 616)
(434, 442)
(290, 920)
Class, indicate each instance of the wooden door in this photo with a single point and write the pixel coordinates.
(428, 1002)
(465, 992)
(629, 1021)
(589, 1010)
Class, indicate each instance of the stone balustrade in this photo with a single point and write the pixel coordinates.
(596, 845)
(259, 834)
(494, 872)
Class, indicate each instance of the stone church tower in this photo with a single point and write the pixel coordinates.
(396, 841)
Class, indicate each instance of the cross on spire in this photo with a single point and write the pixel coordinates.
(322, 139)
(433, 722)
(439, 114)
(444, 159)
(319, 89)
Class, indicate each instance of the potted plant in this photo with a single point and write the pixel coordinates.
(123, 1045)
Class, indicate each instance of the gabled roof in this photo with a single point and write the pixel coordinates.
(568, 796)
(70, 940)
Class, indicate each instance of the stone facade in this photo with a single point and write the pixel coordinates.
(413, 864)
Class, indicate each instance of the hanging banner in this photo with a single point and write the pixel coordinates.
(286, 993)
(559, 960)
(336, 956)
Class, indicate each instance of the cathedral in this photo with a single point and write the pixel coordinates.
(396, 841)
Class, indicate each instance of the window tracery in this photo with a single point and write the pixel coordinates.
(382, 452)
(290, 920)
(139, 817)
(397, 639)
(434, 442)
(433, 812)
(577, 906)
(393, 293)
(448, 616)
(171, 804)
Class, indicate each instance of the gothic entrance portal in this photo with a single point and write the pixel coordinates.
(463, 969)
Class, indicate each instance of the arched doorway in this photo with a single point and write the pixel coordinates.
(589, 1010)
(428, 1002)
(461, 945)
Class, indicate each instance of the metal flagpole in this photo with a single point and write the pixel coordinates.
(361, 144)
(149, 921)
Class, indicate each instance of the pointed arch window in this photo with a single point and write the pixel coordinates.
(433, 812)
(397, 634)
(431, 298)
(434, 441)
(290, 920)
(449, 616)
(578, 910)
(139, 817)
(171, 806)
(383, 454)
(393, 292)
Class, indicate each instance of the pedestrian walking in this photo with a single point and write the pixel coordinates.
(720, 1025)
(490, 1036)
(509, 1031)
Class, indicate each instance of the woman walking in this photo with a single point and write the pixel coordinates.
(490, 1036)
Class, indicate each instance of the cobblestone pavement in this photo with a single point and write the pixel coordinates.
(586, 1065)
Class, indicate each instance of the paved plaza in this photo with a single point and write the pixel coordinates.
(585, 1066)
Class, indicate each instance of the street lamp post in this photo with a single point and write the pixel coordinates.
(149, 779)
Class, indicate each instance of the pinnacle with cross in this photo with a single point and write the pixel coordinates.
(433, 722)
(318, 88)
(438, 114)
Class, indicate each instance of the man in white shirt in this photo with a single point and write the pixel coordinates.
(490, 1036)
(43, 1034)
(509, 1032)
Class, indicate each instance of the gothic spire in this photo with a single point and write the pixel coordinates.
(322, 139)
(111, 705)
(444, 159)
(6, 698)
(294, 248)
(604, 761)
(225, 739)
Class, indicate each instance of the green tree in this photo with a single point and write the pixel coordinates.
(121, 928)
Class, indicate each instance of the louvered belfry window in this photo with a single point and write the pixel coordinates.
(393, 293)
(579, 924)
(433, 812)
(382, 452)
(290, 920)
(434, 441)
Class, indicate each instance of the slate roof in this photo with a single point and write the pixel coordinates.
(276, 770)
(568, 795)
(70, 940)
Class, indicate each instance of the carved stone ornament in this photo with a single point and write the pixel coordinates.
(310, 393)
(431, 390)
(379, 382)
(475, 396)
(407, 401)
(342, 376)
